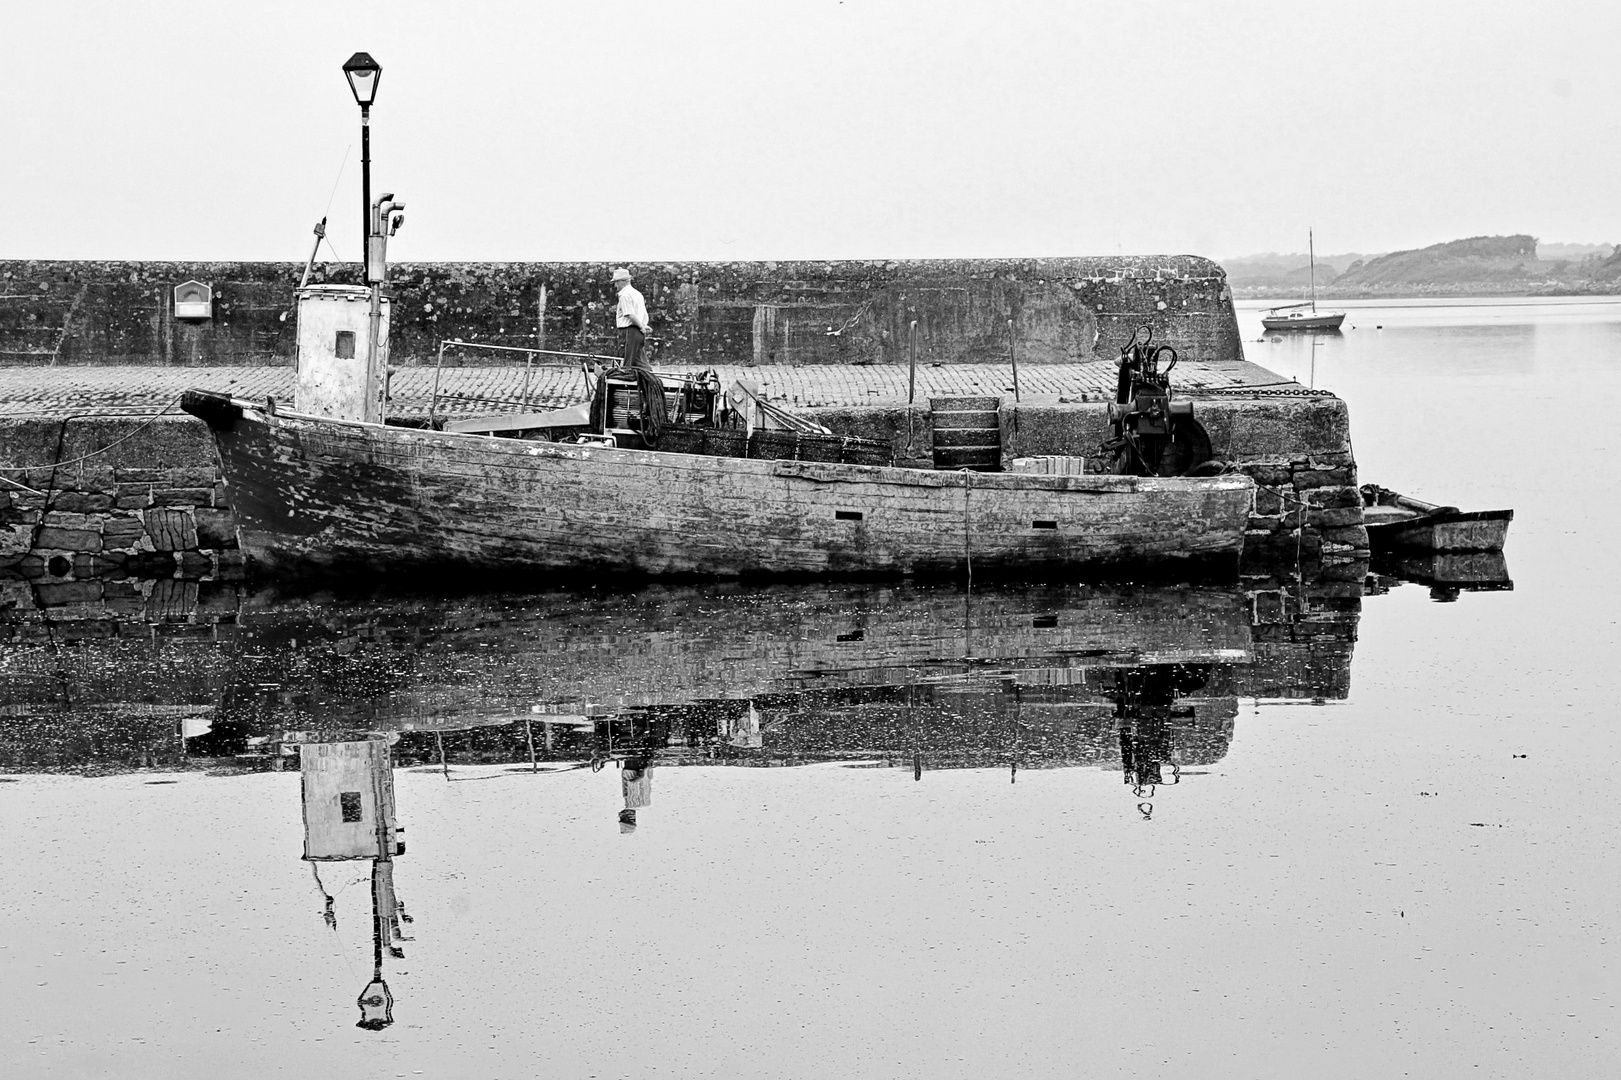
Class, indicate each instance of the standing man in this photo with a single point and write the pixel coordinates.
(631, 318)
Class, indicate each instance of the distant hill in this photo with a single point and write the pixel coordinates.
(1274, 271)
(1476, 266)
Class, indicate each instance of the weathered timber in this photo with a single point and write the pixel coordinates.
(342, 497)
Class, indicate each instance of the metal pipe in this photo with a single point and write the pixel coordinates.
(372, 374)
(1014, 360)
(433, 406)
(365, 182)
(911, 378)
(320, 234)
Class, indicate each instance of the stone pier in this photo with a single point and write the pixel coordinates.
(105, 489)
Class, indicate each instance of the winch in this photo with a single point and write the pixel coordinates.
(1152, 434)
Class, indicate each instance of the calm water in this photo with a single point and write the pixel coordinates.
(1323, 828)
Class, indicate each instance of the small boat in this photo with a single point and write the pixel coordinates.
(1304, 316)
(1395, 521)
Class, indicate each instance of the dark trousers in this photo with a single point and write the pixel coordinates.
(633, 340)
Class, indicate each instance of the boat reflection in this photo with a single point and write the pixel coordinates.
(1022, 676)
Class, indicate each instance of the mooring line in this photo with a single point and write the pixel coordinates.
(94, 453)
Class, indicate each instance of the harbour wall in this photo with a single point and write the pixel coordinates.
(839, 312)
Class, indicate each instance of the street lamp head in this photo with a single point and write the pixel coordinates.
(363, 74)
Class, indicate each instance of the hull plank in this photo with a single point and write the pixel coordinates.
(344, 497)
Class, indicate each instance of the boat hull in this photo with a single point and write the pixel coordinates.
(1481, 530)
(1306, 322)
(337, 498)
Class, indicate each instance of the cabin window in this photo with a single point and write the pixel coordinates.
(854, 635)
(847, 515)
(349, 801)
(1044, 622)
(346, 345)
(1044, 524)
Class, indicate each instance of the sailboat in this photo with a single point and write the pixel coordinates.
(1304, 316)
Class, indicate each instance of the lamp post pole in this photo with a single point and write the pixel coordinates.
(365, 178)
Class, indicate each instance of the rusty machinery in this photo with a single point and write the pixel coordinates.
(1151, 433)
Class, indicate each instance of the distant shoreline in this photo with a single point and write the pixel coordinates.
(1448, 292)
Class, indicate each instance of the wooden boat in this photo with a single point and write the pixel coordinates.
(1304, 316)
(338, 497)
(1395, 521)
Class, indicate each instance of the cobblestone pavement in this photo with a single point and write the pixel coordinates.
(61, 391)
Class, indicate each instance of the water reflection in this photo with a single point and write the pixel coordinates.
(347, 794)
(893, 679)
(921, 676)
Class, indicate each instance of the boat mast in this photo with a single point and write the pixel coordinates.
(1311, 254)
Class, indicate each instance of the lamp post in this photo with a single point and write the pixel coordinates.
(364, 74)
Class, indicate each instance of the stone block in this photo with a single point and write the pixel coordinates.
(216, 529)
(229, 566)
(1264, 523)
(1354, 536)
(125, 605)
(83, 503)
(168, 477)
(70, 521)
(171, 601)
(187, 496)
(84, 629)
(1338, 517)
(1317, 478)
(1268, 502)
(1277, 476)
(57, 593)
(68, 539)
(133, 502)
(121, 532)
(171, 530)
(1333, 497)
(15, 516)
(113, 590)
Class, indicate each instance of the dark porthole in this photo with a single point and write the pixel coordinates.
(1044, 524)
(847, 515)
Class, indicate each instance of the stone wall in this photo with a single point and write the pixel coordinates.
(144, 529)
(853, 312)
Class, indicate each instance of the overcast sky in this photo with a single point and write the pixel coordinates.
(634, 131)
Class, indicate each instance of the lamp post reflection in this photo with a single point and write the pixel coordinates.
(349, 815)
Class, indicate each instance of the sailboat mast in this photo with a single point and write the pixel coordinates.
(1311, 254)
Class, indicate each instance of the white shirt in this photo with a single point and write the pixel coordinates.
(632, 309)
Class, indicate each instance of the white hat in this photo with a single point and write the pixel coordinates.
(621, 274)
